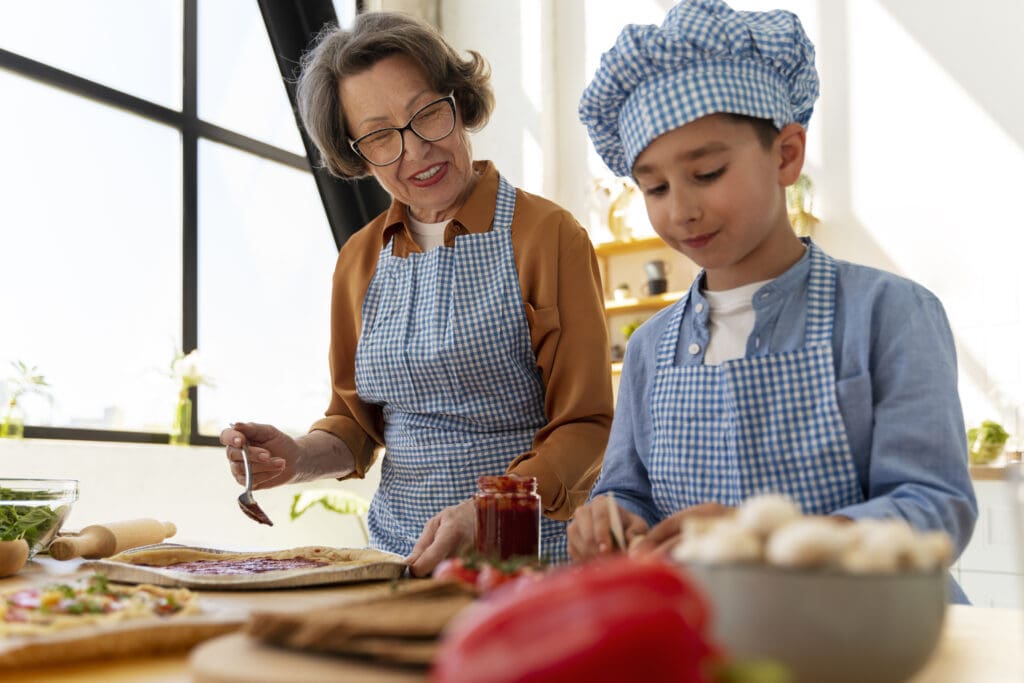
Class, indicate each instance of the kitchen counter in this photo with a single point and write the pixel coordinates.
(978, 644)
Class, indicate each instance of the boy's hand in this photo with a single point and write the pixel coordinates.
(590, 530)
(664, 537)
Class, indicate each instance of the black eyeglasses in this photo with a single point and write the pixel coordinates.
(433, 122)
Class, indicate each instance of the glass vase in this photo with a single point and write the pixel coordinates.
(12, 425)
(181, 428)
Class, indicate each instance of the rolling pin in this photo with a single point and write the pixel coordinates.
(104, 540)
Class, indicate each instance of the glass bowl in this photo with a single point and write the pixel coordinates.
(984, 453)
(35, 509)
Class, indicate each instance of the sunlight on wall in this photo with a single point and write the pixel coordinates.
(934, 183)
(533, 56)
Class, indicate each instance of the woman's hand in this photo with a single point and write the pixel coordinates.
(667, 533)
(590, 530)
(273, 453)
(279, 459)
(448, 533)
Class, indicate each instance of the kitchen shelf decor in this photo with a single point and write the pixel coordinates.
(26, 379)
(185, 370)
(620, 300)
(800, 206)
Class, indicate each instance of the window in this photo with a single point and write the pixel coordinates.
(145, 211)
(265, 265)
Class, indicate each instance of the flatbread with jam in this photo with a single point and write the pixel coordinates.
(185, 566)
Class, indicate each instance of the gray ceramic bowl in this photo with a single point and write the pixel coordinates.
(826, 626)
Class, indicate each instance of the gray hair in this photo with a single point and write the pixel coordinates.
(340, 53)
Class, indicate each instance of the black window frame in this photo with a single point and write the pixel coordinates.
(291, 26)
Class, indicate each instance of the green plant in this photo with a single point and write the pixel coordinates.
(186, 371)
(985, 443)
(30, 522)
(25, 380)
(335, 500)
(628, 330)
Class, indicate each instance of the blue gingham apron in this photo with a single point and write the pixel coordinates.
(768, 424)
(445, 350)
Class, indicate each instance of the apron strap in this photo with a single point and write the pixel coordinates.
(670, 338)
(821, 297)
(504, 206)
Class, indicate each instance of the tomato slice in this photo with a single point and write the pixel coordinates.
(454, 569)
(30, 598)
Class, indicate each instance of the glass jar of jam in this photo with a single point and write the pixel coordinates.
(507, 517)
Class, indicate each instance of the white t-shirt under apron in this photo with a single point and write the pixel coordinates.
(427, 235)
(730, 322)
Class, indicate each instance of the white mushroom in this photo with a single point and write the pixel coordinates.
(888, 544)
(721, 542)
(771, 528)
(807, 542)
(763, 514)
(931, 550)
(857, 560)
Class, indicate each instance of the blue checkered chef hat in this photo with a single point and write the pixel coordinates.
(705, 58)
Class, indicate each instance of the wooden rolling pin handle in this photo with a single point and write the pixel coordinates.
(104, 540)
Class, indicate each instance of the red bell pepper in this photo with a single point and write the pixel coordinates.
(614, 620)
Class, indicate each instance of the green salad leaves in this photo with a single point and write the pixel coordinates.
(30, 522)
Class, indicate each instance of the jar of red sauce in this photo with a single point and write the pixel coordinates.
(507, 517)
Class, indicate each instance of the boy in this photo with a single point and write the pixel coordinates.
(781, 370)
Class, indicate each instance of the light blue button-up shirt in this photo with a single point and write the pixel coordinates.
(896, 381)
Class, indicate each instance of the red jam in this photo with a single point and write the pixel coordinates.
(507, 517)
(249, 565)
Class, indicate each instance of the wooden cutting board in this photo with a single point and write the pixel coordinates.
(237, 658)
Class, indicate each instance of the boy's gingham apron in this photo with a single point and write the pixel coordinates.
(768, 424)
(445, 349)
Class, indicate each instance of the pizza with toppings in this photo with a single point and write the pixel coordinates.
(55, 607)
(87, 617)
(185, 566)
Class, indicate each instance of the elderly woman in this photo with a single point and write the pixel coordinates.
(468, 335)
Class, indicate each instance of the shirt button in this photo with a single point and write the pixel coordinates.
(699, 308)
(757, 342)
(765, 295)
(694, 349)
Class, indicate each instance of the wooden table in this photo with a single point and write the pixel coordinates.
(979, 645)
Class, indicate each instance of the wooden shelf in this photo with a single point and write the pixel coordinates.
(612, 248)
(994, 472)
(605, 252)
(644, 303)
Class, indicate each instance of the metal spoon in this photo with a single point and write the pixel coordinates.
(246, 501)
